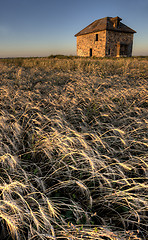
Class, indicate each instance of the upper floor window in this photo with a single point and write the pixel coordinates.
(96, 37)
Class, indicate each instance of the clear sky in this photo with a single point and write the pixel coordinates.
(45, 27)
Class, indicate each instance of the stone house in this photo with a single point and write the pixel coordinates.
(105, 37)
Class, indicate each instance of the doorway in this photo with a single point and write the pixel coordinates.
(90, 54)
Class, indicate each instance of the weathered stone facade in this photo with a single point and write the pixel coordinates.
(105, 37)
(88, 41)
(118, 44)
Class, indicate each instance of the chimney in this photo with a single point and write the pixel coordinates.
(116, 21)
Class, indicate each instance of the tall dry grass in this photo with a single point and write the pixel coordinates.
(73, 149)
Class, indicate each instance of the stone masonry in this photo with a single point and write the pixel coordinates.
(105, 37)
(114, 42)
(88, 41)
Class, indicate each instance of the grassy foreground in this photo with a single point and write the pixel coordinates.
(73, 148)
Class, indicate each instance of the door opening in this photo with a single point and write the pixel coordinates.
(90, 52)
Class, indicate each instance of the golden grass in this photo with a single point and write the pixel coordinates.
(73, 148)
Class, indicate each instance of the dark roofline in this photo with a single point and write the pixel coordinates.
(105, 24)
(79, 33)
(132, 32)
(84, 29)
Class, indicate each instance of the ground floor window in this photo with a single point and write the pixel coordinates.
(123, 49)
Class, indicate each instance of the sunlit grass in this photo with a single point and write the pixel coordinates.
(73, 148)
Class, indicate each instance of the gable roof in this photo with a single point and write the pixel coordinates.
(107, 23)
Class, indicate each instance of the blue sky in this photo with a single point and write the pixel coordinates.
(45, 27)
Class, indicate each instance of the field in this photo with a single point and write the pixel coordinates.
(73, 148)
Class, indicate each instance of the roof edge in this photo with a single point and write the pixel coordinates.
(79, 33)
(105, 25)
(113, 30)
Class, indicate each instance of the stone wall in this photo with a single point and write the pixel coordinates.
(114, 41)
(109, 43)
(88, 41)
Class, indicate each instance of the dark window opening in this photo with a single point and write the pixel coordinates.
(109, 51)
(90, 52)
(123, 50)
(96, 37)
